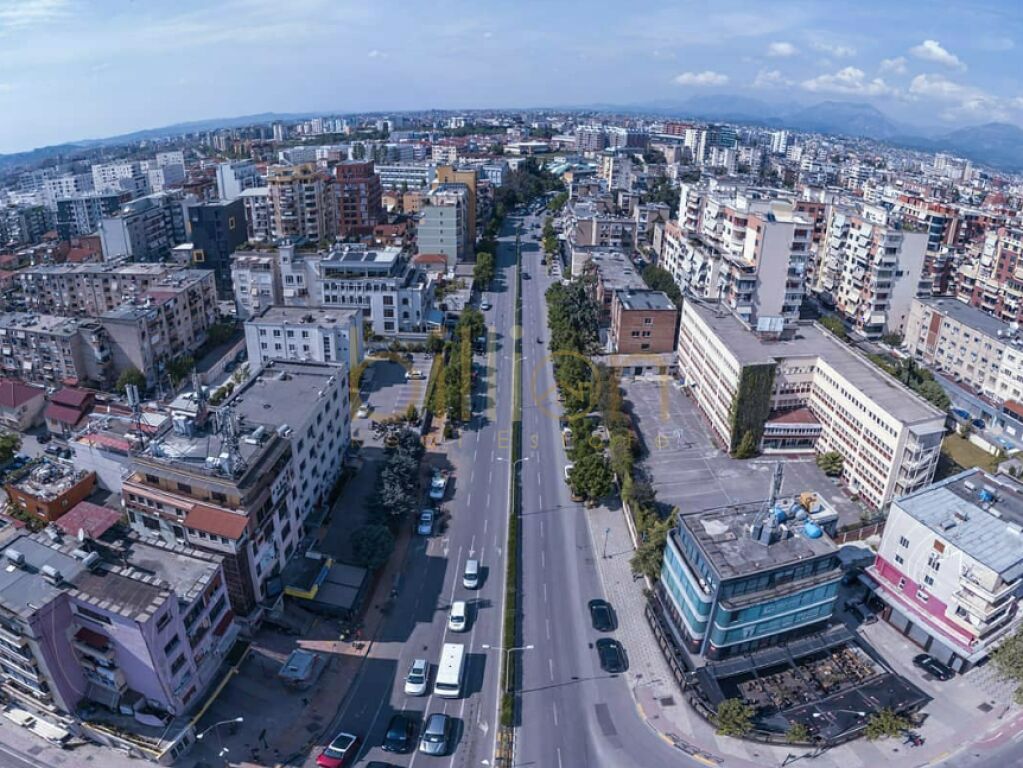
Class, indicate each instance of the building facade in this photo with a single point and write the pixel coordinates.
(319, 334)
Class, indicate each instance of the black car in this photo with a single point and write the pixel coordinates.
(378, 764)
(400, 734)
(44, 438)
(602, 616)
(933, 667)
(612, 655)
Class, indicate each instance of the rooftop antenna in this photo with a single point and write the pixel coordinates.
(776, 483)
(227, 427)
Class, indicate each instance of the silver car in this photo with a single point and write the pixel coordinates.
(436, 735)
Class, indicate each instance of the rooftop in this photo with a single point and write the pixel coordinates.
(812, 341)
(616, 271)
(727, 537)
(971, 317)
(49, 479)
(283, 393)
(281, 315)
(978, 513)
(637, 299)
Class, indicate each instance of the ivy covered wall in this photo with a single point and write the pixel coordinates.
(752, 406)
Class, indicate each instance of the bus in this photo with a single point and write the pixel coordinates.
(450, 670)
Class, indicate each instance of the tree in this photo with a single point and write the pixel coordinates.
(836, 326)
(179, 368)
(660, 279)
(372, 545)
(591, 477)
(884, 725)
(734, 717)
(484, 270)
(831, 463)
(130, 375)
(9, 445)
(933, 392)
(650, 552)
(1008, 660)
(797, 734)
(412, 413)
(747, 447)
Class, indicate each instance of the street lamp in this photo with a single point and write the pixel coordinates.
(507, 652)
(848, 711)
(517, 461)
(217, 725)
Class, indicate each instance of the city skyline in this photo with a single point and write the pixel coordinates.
(86, 70)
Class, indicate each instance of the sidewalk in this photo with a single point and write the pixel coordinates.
(961, 706)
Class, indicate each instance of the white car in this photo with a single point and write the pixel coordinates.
(484, 305)
(363, 411)
(415, 373)
(458, 618)
(438, 484)
(417, 678)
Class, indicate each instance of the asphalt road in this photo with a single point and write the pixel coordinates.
(474, 524)
(572, 712)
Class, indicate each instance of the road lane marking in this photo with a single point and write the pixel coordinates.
(548, 623)
(559, 757)
(545, 592)
(554, 706)
(543, 559)
(550, 668)
(541, 529)
(486, 520)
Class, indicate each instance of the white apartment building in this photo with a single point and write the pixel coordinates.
(809, 393)
(950, 566)
(393, 295)
(411, 175)
(258, 216)
(697, 267)
(118, 176)
(317, 334)
(235, 177)
(871, 270)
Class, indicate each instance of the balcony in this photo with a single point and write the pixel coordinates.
(977, 605)
(94, 646)
(975, 585)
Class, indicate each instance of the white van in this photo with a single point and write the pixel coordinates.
(471, 575)
(449, 672)
(458, 618)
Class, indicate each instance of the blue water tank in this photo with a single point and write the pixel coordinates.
(801, 514)
(779, 515)
(986, 496)
(795, 509)
(812, 530)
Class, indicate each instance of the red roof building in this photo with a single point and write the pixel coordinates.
(21, 405)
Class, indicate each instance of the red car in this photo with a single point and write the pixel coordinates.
(340, 751)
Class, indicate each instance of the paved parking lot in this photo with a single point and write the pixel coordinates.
(690, 471)
(384, 387)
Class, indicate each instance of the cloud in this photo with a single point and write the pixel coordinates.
(833, 49)
(963, 102)
(19, 14)
(781, 50)
(487, 35)
(850, 80)
(996, 43)
(896, 66)
(931, 50)
(701, 79)
(375, 54)
(6, 87)
(939, 87)
(770, 78)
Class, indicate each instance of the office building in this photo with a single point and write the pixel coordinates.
(240, 482)
(738, 578)
(871, 271)
(810, 393)
(406, 176)
(950, 565)
(318, 334)
(358, 190)
(217, 230)
(642, 322)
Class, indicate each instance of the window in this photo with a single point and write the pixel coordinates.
(922, 596)
(184, 487)
(903, 541)
(934, 561)
(85, 613)
(902, 584)
(179, 662)
(929, 580)
(174, 643)
(163, 621)
(899, 560)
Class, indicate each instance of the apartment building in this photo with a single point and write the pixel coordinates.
(950, 565)
(302, 202)
(145, 229)
(52, 350)
(358, 190)
(642, 322)
(258, 216)
(109, 620)
(449, 174)
(120, 176)
(319, 334)
(968, 345)
(217, 230)
(65, 185)
(235, 177)
(394, 295)
(588, 225)
(241, 481)
(696, 266)
(612, 272)
(810, 393)
(88, 289)
(739, 578)
(444, 224)
(81, 214)
(990, 277)
(871, 270)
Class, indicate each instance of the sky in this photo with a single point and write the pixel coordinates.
(77, 69)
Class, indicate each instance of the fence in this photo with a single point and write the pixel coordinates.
(860, 533)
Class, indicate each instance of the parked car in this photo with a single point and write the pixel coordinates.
(363, 411)
(602, 616)
(426, 520)
(341, 751)
(933, 667)
(436, 735)
(400, 736)
(417, 678)
(611, 655)
(485, 305)
(438, 484)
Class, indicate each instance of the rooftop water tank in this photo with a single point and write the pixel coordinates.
(779, 515)
(812, 530)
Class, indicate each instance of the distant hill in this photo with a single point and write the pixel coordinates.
(999, 144)
(844, 117)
